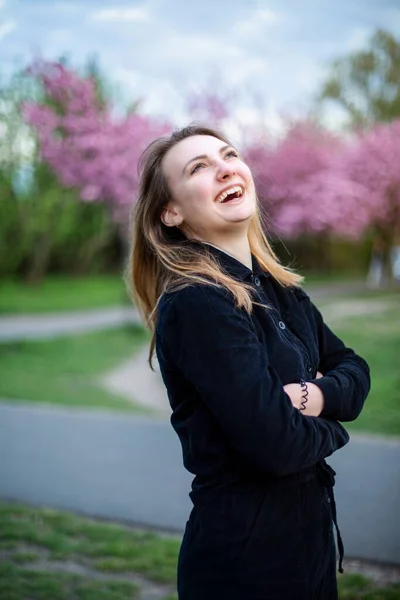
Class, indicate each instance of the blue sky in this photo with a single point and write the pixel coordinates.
(159, 50)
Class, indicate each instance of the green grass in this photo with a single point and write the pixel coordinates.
(62, 294)
(353, 586)
(103, 548)
(376, 337)
(66, 370)
(20, 584)
(313, 278)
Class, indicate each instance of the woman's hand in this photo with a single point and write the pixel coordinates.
(315, 398)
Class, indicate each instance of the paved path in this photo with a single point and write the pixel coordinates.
(38, 326)
(129, 468)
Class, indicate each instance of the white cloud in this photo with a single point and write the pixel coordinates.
(60, 37)
(162, 97)
(248, 120)
(128, 76)
(308, 75)
(334, 118)
(6, 28)
(249, 68)
(130, 79)
(199, 48)
(392, 20)
(120, 14)
(357, 40)
(257, 22)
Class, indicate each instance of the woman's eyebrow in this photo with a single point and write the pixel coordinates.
(203, 156)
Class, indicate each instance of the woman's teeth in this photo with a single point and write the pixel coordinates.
(238, 190)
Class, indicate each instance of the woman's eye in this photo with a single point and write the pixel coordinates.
(232, 153)
(196, 168)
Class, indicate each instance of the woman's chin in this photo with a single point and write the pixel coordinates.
(239, 213)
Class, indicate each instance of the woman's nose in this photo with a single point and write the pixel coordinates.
(225, 170)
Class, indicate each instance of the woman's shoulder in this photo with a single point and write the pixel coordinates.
(299, 293)
(194, 298)
(195, 294)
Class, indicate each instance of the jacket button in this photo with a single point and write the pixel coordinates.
(282, 325)
(257, 281)
(309, 369)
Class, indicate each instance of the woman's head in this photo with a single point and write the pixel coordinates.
(211, 190)
(182, 178)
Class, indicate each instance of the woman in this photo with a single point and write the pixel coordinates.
(256, 381)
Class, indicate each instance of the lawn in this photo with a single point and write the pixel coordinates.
(313, 278)
(66, 370)
(62, 294)
(54, 555)
(376, 337)
(103, 558)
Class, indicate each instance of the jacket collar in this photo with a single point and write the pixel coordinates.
(232, 265)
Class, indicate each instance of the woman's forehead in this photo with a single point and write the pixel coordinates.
(196, 145)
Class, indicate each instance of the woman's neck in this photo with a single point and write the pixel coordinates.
(237, 249)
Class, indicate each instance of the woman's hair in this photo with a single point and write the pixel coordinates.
(162, 259)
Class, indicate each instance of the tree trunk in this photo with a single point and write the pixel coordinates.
(39, 263)
(381, 269)
(96, 243)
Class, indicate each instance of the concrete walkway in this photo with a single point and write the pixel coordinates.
(135, 381)
(38, 326)
(129, 468)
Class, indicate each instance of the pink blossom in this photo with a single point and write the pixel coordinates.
(83, 143)
(313, 182)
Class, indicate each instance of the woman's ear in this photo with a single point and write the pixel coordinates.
(170, 217)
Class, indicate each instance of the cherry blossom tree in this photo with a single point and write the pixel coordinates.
(83, 142)
(372, 163)
(312, 182)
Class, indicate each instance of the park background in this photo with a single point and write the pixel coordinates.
(311, 97)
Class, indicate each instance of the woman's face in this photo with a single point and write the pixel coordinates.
(211, 187)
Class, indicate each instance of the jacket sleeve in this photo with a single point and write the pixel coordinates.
(214, 345)
(346, 377)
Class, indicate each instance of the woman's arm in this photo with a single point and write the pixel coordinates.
(346, 377)
(214, 345)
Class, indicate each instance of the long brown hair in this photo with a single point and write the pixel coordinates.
(163, 259)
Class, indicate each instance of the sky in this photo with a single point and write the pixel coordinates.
(270, 56)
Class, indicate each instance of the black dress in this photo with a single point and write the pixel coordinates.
(263, 505)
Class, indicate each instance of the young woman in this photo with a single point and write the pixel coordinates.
(256, 381)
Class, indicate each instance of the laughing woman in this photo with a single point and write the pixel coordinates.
(256, 380)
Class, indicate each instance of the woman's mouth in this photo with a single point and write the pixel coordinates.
(231, 195)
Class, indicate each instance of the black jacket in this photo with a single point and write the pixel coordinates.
(224, 371)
